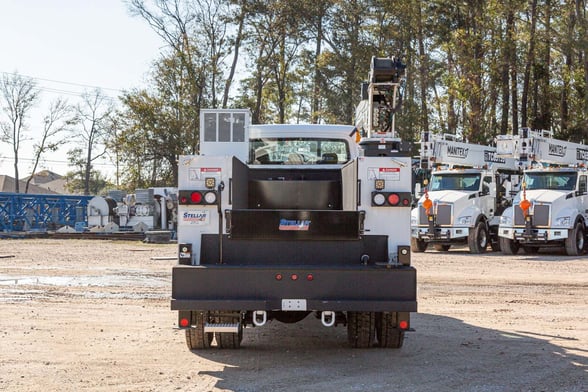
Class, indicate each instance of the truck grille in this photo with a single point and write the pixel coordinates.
(443, 215)
(541, 217)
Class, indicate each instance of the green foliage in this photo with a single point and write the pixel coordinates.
(76, 179)
(476, 68)
(75, 184)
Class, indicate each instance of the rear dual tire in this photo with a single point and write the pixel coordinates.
(196, 338)
(365, 329)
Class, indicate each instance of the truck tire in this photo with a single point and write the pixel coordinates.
(361, 329)
(478, 238)
(508, 246)
(387, 331)
(441, 247)
(576, 240)
(229, 340)
(417, 245)
(196, 338)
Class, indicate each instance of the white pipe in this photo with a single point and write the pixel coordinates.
(163, 212)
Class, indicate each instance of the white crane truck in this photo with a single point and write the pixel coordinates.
(276, 222)
(551, 210)
(469, 188)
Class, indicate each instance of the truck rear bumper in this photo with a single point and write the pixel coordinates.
(361, 288)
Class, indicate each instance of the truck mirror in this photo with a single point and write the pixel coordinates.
(582, 185)
(493, 188)
(508, 188)
(417, 189)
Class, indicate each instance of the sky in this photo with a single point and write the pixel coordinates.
(67, 47)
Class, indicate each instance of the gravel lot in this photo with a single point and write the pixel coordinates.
(94, 315)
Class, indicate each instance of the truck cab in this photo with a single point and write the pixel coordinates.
(465, 204)
(468, 189)
(551, 211)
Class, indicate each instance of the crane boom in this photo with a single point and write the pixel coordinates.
(530, 146)
(447, 150)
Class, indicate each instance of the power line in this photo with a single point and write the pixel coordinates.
(62, 82)
(54, 161)
(71, 93)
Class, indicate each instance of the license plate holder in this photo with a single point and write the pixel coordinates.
(294, 304)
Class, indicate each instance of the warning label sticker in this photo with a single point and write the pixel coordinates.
(200, 173)
(384, 173)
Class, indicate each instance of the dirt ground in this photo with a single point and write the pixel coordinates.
(94, 315)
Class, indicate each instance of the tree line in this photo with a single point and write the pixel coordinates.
(477, 68)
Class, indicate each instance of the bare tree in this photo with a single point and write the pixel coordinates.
(59, 119)
(19, 96)
(93, 115)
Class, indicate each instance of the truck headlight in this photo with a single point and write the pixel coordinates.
(505, 220)
(464, 220)
(563, 221)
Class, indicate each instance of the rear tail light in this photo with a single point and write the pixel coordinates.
(404, 321)
(391, 199)
(184, 319)
(198, 197)
(195, 197)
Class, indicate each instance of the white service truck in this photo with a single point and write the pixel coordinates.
(468, 189)
(551, 210)
(276, 222)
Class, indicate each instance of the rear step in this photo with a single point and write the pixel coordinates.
(221, 327)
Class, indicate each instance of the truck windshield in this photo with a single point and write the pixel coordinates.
(298, 151)
(455, 182)
(563, 181)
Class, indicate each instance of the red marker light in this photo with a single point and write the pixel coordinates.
(294, 277)
(279, 276)
(309, 277)
(403, 324)
(196, 197)
(184, 322)
(183, 200)
(393, 199)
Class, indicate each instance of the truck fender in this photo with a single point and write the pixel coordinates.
(572, 212)
(509, 211)
(474, 211)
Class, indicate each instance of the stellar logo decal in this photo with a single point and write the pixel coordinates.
(195, 217)
(294, 225)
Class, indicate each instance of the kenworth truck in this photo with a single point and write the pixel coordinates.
(469, 188)
(276, 222)
(551, 210)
